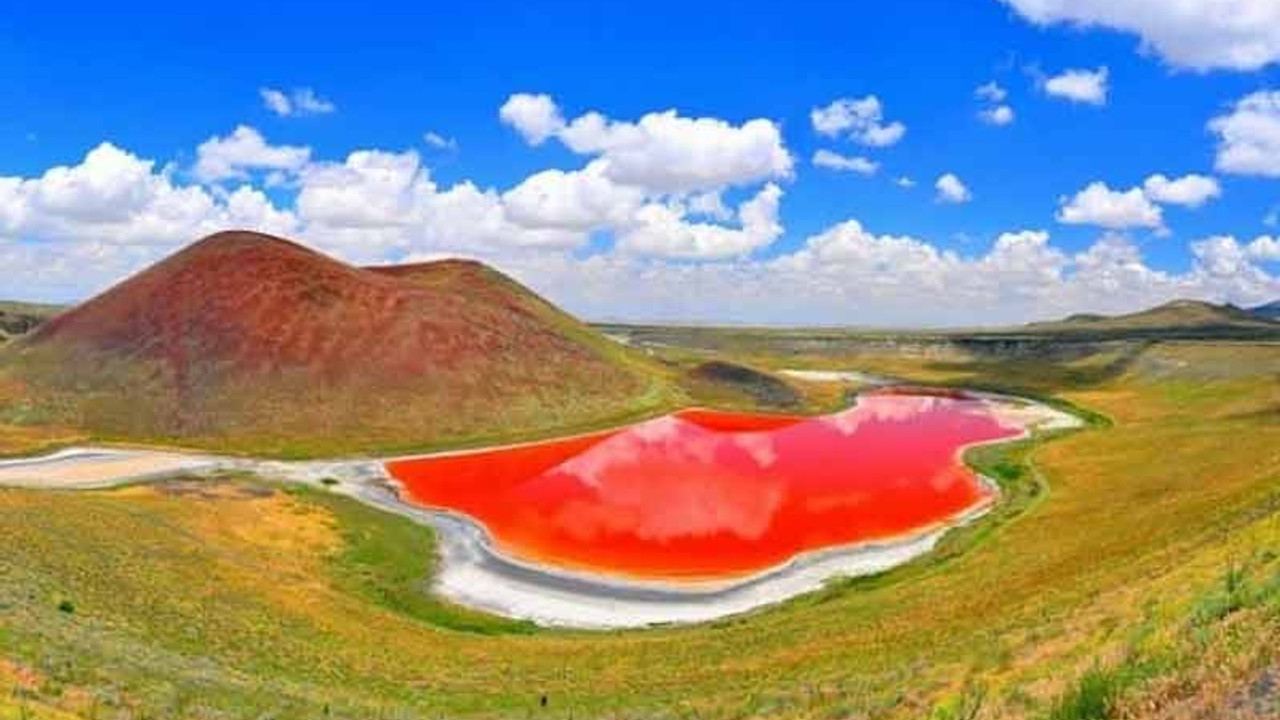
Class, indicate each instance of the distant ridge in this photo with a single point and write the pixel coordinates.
(246, 340)
(19, 318)
(1174, 318)
(1270, 311)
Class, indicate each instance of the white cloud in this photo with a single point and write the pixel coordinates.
(1194, 34)
(1265, 248)
(662, 152)
(297, 102)
(663, 230)
(535, 117)
(710, 204)
(307, 102)
(1249, 136)
(115, 197)
(951, 189)
(73, 229)
(371, 189)
(438, 141)
(991, 92)
(70, 230)
(1139, 207)
(999, 115)
(1099, 205)
(849, 275)
(647, 186)
(835, 161)
(665, 152)
(650, 180)
(996, 111)
(233, 156)
(1080, 86)
(861, 120)
(905, 182)
(580, 200)
(276, 101)
(377, 205)
(1190, 191)
(1232, 269)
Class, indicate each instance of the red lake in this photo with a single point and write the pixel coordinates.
(702, 494)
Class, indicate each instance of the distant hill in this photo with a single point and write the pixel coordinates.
(1271, 310)
(19, 318)
(1179, 318)
(250, 342)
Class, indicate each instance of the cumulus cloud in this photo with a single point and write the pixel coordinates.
(1138, 207)
(1080, 86)
(1189, 191)
(848, 274)
(1097, 204)
(662, 152)
(848, 163)
(297, 102)
(653, 183)
(999, 115)
(1249, 136)
(379, 204)
(68, 231)
(655, 186)
(1234, 268)
(535, 117)
(996, 111)
(951, 189)
(1264, 248)
(1226, 34)
(663, 230)
(244, 150)
(112, 196)
(581, 200)
(860, 120)
(75, 228)
(665, 152)
(709, 204)
(905, 182)
(72, 229)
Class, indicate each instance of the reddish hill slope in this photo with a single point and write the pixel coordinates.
(248, 341)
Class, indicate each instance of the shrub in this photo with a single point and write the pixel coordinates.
(1233, 596)
(1093, 697)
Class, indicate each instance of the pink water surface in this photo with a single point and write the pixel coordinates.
(702, 494)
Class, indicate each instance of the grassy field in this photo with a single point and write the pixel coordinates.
(1135, 572)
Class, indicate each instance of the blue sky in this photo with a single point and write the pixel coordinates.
(156, 85)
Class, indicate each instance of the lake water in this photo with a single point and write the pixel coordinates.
(702, 494)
